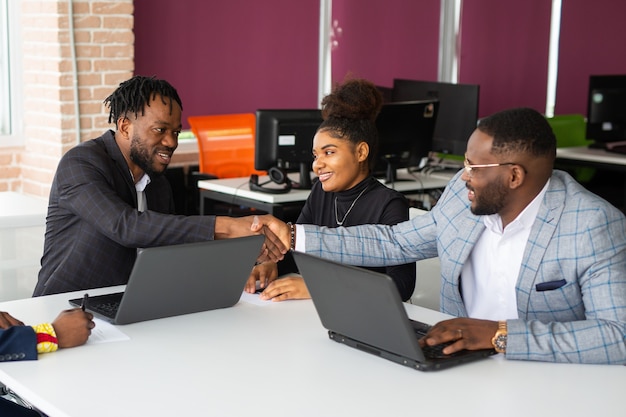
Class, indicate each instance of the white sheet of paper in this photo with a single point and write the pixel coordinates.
(105, 332)
(254, 299)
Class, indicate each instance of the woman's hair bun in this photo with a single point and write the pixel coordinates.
(355, 99)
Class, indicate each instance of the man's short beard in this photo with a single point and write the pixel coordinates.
(491, 200)
(139, 155)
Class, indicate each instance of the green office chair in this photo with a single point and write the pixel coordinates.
(570, 130)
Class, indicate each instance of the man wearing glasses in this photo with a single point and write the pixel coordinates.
(532, 264)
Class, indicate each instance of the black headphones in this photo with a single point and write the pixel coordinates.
(277, 176)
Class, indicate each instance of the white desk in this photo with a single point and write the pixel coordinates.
(20, 210)
(186, 154)
(236, 191)
(22, 228)
(597, 157)
(277, 360)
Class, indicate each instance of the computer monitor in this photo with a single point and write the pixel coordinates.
(458, 110)
(606, 109)
(405, 135)
(284, 139)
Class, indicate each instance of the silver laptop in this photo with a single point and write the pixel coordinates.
(172, 280)
(363, 309)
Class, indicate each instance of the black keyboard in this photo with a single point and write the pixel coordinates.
(420, 328)
(436, 351)
(106, 309)
(105, 305)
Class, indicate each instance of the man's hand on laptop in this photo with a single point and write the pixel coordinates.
(464, 333)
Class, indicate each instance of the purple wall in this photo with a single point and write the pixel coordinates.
(240, 55)
(231, 56)
(504, 49)
(592, 42)
(386, 40)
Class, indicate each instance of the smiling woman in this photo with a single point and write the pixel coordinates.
(344, 151)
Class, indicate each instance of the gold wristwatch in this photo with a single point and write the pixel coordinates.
(499, 339)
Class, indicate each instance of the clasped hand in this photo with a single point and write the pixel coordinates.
(277, 237)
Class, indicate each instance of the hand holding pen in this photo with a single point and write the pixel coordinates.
(83, 305)
(73, 327)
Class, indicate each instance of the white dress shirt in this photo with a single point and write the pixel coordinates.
(490, 274)
(140, 186)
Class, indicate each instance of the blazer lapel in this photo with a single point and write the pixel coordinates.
(469, 230)
(541, 233)
(116, 154)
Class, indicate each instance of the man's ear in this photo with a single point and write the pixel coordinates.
(518, 176)
(124, 127)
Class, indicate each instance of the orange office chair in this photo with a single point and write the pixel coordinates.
(226, 144)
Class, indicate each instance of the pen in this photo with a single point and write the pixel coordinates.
(83, 305)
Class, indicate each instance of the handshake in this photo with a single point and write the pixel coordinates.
(280, 237)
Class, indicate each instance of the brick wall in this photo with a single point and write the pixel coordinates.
(104, 49)
(10, 169)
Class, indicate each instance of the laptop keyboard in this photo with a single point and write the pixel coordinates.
(436, 351)
(106, 309)
(106, 305)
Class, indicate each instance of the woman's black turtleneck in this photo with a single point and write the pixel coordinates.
(377, 204)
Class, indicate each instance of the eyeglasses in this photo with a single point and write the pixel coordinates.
(470, 167)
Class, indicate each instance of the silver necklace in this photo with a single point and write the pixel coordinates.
(340, 223)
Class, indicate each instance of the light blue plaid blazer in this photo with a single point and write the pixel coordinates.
(571, 289)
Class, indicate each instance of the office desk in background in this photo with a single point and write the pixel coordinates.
(186, 155)
(276, 360)
(595, 158)
(22, 228)
(237, 192)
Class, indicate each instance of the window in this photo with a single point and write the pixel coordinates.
(10, 127)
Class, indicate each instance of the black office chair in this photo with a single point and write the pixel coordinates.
(12, 405)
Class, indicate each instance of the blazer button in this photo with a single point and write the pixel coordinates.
(2, 358)
(15, 356)
(22, 355)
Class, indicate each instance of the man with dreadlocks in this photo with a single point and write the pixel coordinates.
(108, 196)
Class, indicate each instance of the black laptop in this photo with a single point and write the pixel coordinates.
(172, 280)
(363, 309)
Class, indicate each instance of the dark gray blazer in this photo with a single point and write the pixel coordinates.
(93, 228)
